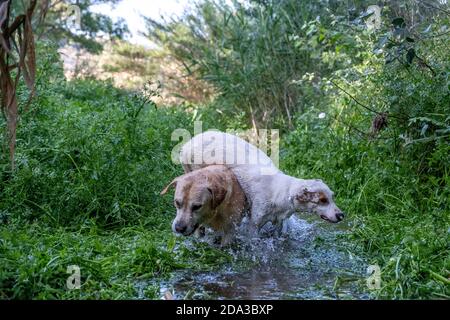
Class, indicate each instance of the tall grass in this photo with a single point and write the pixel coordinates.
(91, 161)
(399, 217)
(252, 52)
(255, 53)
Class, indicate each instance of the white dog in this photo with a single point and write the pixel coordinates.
(271, 194)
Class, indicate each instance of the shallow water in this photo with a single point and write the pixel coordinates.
(306, 262)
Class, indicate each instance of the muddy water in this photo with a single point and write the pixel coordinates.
(306, 262)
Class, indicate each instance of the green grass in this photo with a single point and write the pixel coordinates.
(400, 218)
(91, 161)
(35, 258)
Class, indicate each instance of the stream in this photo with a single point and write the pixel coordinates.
(306, 262)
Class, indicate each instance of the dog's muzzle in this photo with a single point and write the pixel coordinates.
(182, 228)
(339, 217)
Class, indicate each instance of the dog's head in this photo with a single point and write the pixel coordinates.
(196, 197)
(315, 196)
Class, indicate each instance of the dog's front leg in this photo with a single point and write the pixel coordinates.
(227, 238)
(252, 228)
(257, 220)
(279, 228)
(282, 227)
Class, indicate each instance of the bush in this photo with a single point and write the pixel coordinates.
(91, 161)
(399, 217)
(88, 150)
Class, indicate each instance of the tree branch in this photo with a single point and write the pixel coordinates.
(362, 105)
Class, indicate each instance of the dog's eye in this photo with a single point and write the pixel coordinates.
(195, 207)
(177, 204)
(323, 200)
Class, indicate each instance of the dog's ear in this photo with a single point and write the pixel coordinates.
(218, 193)
(308, 196)
(173, 183)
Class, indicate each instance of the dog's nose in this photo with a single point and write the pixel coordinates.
(180, 228)
(340, 216)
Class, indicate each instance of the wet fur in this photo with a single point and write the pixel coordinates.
(222, 211)
(271, 194)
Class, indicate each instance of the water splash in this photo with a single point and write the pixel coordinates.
(305, 262)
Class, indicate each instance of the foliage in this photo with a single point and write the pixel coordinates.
(122, 264)
(399, 215)
(55, 21)
(91, 161)
(16, 59)
(255, 52)
(149, 64)
(252, 52)
(393, 183)
(87, 152)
